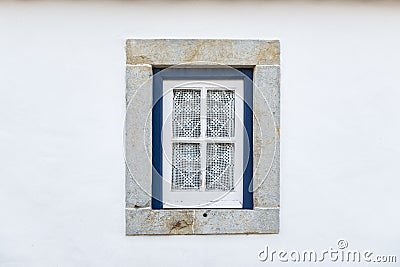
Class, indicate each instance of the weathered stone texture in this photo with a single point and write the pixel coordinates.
(266, 136)
(201, 221)
(161, 52)
(138, 136)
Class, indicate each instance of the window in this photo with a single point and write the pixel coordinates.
(202, 137)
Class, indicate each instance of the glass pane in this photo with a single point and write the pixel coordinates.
(186, 166)
(220, 113)
(186, 113)
(220, 164)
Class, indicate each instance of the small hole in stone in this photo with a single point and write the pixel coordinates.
(204, 214)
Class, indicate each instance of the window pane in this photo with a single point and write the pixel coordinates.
(220, 113)
(186, 166)
(220, 164)
(186, 113)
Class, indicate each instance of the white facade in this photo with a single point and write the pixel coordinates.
(62, 103)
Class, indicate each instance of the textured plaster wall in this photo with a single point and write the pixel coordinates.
(62, 104)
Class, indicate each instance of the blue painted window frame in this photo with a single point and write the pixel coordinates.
(161, 74)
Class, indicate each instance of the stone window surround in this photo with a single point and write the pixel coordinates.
(142, 55)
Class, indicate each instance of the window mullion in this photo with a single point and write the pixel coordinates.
(203, 129)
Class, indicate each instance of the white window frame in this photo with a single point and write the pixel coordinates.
(202, 198)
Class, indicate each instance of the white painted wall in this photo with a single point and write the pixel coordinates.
(61, 121)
